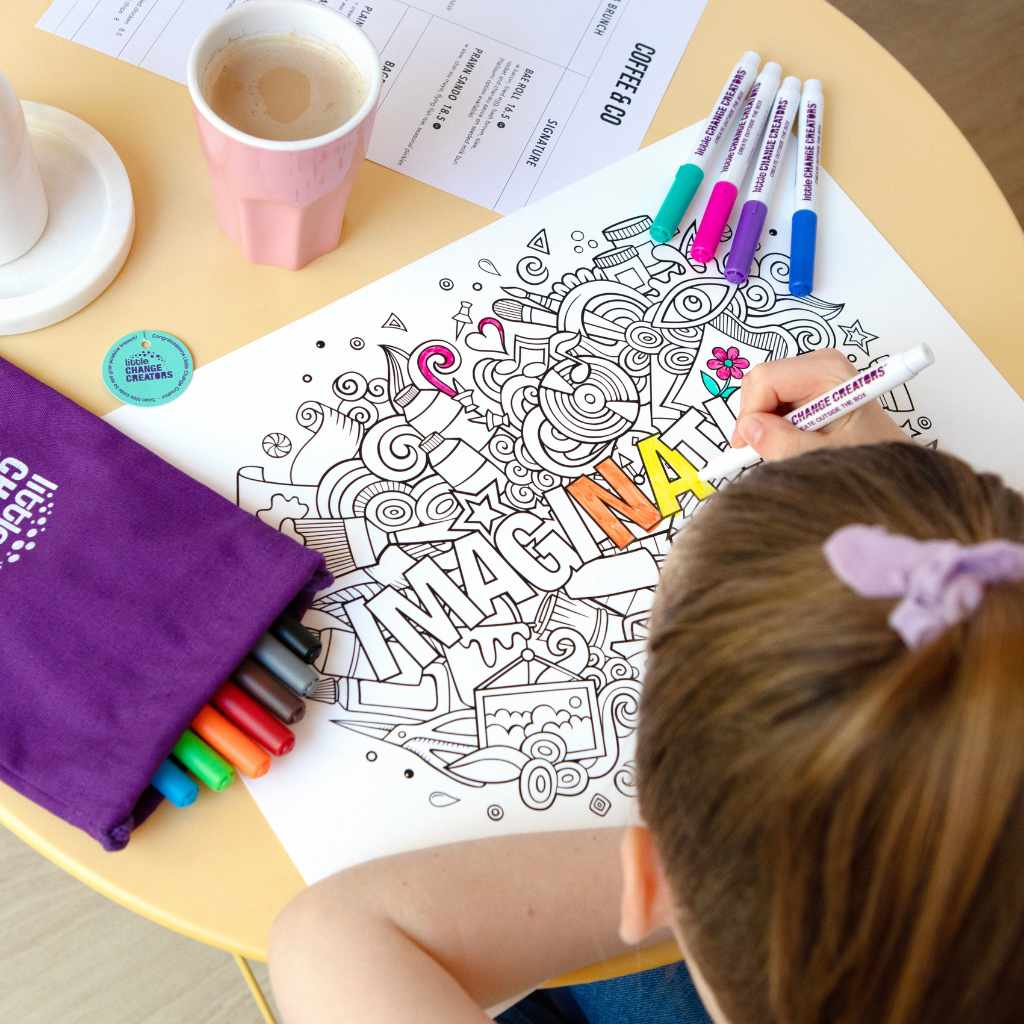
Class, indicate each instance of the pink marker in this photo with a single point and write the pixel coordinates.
(734, 167)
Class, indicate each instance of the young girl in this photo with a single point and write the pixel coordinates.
(831, 772)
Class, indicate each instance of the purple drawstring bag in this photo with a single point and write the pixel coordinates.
(128, 593)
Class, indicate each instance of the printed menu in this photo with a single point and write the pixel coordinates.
(498, 102)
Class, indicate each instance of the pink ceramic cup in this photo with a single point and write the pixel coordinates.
(283, 202)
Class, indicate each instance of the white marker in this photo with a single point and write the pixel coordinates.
(834, 403)
(741, 149)
(766, 170)
(690, 175)
(805, 202)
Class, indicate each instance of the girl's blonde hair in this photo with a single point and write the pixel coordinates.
(841, 818)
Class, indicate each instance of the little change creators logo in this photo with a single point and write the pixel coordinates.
(26, 505)
(147, 368)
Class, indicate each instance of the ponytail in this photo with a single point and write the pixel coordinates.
(841, 817)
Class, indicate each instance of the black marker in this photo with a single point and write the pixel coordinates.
(299, 640)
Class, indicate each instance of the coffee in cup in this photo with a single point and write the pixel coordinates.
(283, 87)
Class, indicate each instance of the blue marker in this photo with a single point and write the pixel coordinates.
(179, 787)
(805, 205)
(690, 175)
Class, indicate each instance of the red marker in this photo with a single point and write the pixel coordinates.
(253, 719)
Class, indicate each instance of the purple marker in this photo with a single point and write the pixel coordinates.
(766, 170)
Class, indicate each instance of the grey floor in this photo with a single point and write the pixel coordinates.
(68, 956)
(967, 55)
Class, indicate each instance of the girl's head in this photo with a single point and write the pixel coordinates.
(838, 819)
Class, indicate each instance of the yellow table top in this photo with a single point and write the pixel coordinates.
(222, 876)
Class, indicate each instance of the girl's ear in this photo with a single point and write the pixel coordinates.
(647, 904)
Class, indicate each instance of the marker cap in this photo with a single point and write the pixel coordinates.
(801, 250)
(254, 719)
(918, 357)
(203, 761)
(231, 743)
(280, 662)
(812, 89)
(729, 463)
(744, 241)
(303, 643)
(680, 195)
(267, 690)
(177, 786)
(709, 234)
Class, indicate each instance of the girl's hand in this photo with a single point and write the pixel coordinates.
(773, 389)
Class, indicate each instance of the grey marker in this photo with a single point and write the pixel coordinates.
(286, 666)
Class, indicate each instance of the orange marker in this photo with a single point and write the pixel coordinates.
(231, 743)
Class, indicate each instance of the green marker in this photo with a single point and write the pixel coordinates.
(203, 761)
(691, 174)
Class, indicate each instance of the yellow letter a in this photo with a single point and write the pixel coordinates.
(657, 455)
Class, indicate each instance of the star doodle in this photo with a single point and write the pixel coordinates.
(479, 511)
(857, 337)
(909, 428)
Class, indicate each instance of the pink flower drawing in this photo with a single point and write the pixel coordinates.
(728, 363)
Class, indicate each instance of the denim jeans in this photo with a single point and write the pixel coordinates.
(664, 995)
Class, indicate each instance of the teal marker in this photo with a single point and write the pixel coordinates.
(691, 174)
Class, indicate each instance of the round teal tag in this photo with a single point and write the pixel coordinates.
(147, 368)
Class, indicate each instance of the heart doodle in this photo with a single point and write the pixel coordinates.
(441, 357)
(483, 340)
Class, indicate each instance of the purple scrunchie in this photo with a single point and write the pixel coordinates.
(941, 582)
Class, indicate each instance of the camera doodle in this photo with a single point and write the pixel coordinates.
(496, 502)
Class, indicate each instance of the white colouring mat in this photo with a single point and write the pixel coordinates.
(443, 436)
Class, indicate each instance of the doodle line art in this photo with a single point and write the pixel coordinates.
(496, 502)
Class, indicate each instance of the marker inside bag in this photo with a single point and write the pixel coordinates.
(805, 201)
(745, 143)
(832, 405)
(259, 684)
(203, 761)
(176, 785)
(231, 743)
(766, 170)
(302, 642)
(280, 662)
(690, 175)
(253, 719)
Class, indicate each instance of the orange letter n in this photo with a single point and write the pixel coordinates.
(627, 499)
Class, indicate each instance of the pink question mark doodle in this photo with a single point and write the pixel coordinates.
(490, 321)
(443, 358)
